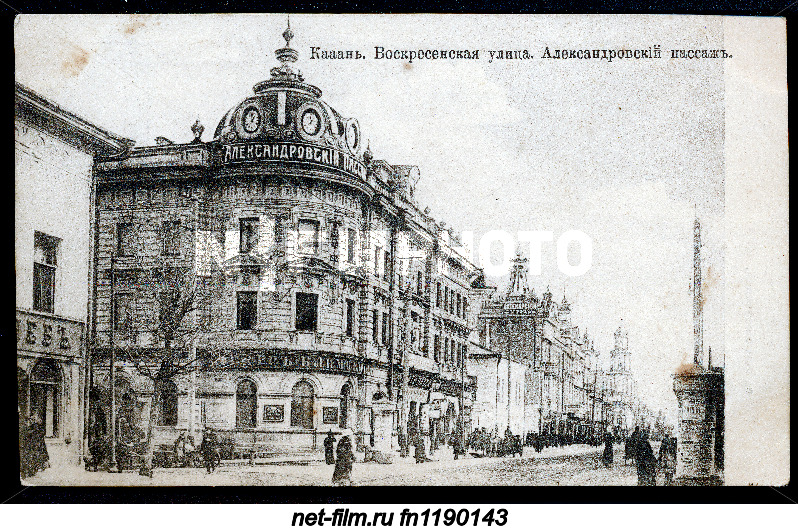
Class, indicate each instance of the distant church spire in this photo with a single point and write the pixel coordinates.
(698, 301)
(518, 284)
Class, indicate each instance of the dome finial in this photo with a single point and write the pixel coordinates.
(288, 34)
(286, 56)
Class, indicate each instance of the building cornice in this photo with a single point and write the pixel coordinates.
(74, 130)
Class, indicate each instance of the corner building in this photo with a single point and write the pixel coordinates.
(338, 302)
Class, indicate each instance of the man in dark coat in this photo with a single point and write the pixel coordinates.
(329, 448)
(630, 449)
(210, 450)
(606, 457)
(421, 455)
(646, 463)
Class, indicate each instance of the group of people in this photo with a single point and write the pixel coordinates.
(638, 448)
(33, 456)
(342, 455)
(489, 443)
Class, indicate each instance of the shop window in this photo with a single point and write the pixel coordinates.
(170, 237)
(45, 253)
(168, 404)
(306, 311)
(247, 310)
(308, 237)
(350, 317)
(350, 247)
(125, 241)
(246, 404)
(249, 234)
(302, 405)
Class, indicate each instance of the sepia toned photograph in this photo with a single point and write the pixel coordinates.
(399, 250)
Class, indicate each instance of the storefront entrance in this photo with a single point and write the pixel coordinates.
(45, 389)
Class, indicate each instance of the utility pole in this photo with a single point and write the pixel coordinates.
(112, 370)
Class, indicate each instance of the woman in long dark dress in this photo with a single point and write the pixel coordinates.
(37, 456)
(344, 456)
(606, 457)
(329, 448)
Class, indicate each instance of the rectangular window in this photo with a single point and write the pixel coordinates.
(377, 252)
(45, 255)
(247, 310)
(124, 239)
(249, 234)
(386, 267)
(438, 296)
(384, 328)
(375, 326)
(350, 245)
(170, 236)
(459, 300)
(123, 312)
(350, 317)
(308, 237)
(306, 311)
(437, 349)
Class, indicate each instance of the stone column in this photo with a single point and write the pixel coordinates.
(695, 458)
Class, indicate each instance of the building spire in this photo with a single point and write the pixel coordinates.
(286, 56)
(518, 284)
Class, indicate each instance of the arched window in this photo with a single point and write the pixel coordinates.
(45, 388)
(246, 405)
(344, 414)
(168, 403)
(302, 405)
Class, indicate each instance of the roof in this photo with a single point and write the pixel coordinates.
(73, 129)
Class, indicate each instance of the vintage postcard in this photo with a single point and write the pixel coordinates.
(417, 250)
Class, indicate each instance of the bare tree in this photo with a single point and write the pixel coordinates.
(180, 295)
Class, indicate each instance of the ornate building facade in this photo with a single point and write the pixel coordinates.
(538, 352)
(335, 301)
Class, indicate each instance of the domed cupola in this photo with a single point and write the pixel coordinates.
(286, 108)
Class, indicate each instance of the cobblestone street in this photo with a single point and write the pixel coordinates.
(567, 466)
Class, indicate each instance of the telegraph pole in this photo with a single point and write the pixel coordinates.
(112, 371)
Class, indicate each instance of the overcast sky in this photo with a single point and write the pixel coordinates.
(625, 152)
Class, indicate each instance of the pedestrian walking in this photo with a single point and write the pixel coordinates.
(209, 447)
(329, 448)
(667, 459)
(180, 450)
(344, 457)
(606, 457)
(646, 463)
(404, 448)
(630, 447)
